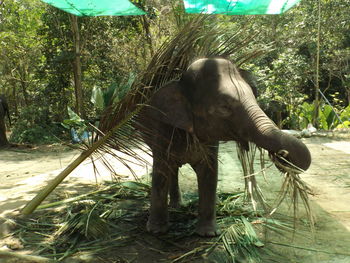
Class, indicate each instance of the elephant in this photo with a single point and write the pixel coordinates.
(184, 122)
(4, 110)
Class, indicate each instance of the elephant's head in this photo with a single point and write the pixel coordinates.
(213, 101)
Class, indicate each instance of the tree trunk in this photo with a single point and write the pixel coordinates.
(317, 80)
(15, 99)
(3, 139)
(148, 34)
(23, 81)
(77, 67)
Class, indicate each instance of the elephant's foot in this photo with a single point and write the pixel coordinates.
(157, 227)
(207, 229)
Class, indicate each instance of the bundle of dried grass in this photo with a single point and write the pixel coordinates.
(252, 190)
(293, 186)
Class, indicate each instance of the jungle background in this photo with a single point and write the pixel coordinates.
(51, 62)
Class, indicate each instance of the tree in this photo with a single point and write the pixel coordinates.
(20, 50)
(4, 112)
(77, 66)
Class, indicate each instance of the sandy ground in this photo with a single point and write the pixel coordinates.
(24, 172)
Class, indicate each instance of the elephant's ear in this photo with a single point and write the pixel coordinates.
(170, 106)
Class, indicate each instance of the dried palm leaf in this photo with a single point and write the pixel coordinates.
(252, 189)
(240, 242)
(87, 223)
(294, 187)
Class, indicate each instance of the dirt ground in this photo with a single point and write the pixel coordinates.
(24, 171)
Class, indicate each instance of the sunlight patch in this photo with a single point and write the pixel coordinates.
(339, 146)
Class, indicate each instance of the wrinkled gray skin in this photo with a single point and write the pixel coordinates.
(187, 118)
(4, 110)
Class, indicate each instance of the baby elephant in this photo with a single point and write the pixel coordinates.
(184, 123)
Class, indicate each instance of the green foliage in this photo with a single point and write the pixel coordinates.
(345, 118)
(345, 124)
(305, 114)
(20, 52)
(87, 223)
(34, 127)
(102, 98)
(74, 122)
(327, 116)
(97, 98)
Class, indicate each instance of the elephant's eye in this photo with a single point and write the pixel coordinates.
(224, 110)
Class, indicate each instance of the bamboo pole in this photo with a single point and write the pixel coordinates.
(36, 201)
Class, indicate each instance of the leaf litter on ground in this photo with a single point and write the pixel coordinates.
(115, 216)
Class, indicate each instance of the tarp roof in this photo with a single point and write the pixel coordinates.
(97, 7)
(239, 7)
(125, 7)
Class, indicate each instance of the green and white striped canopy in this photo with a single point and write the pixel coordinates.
(125, 7)
(97, 7)
(239, 7)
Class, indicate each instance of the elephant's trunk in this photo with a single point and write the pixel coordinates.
(264, 133)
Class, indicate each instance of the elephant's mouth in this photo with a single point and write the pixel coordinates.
(283, 163)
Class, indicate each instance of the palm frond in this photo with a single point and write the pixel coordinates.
(80, 224)
(252, 189)
(87, 223)
(293, 186)
(239, 241)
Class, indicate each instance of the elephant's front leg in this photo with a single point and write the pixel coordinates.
(207, 175)
(158, 219)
